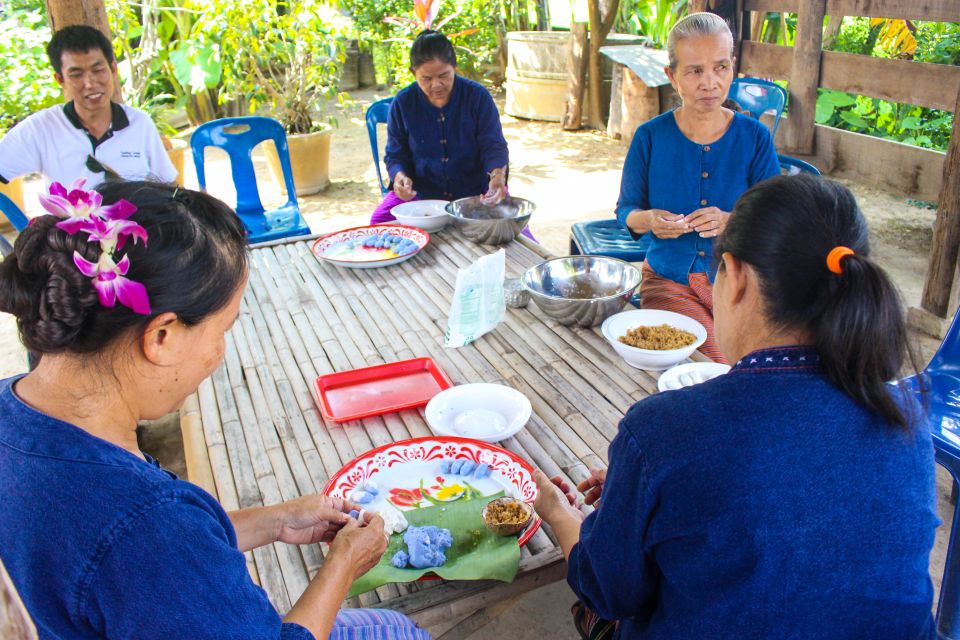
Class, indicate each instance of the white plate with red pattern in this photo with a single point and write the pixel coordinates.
(408, 475)
(345, 248)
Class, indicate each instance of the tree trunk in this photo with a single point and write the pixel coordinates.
(64, 13)
(543, 15)
(576, 74)
(601, 21)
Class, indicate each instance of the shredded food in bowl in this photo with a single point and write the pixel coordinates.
(659, 338)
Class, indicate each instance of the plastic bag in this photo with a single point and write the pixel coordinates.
(478, 304)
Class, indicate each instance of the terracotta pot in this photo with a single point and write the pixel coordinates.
(310, 159)
(177, 150)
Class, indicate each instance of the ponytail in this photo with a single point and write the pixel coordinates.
(785, 228)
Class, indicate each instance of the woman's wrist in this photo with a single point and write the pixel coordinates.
(640, 220)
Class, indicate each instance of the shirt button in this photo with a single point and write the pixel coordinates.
(443, 159)
(706, 148)
(703, 202)
(705, 174)
(701, 253)
(443, 141)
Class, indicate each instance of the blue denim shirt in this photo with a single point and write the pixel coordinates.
(666, 170)
(447, 152)
(101, 544)
(762, 504)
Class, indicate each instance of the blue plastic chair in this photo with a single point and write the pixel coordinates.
(942, 381)
(792, 166)
(16, 217)
(758, 97)
(377, 114)
(238, 137)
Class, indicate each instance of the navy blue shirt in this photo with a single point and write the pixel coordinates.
(449, 151)
(666, 170)
(762, 504)
(102, 544)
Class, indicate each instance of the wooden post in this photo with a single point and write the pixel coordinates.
(576, 77)
(616, 101)
(946, 231)
(805, 76)
(602, 13)
(640, 103)
(63, 13)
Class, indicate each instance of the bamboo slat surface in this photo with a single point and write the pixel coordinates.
(267, 442)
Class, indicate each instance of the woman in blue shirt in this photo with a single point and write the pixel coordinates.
(794, 496)
(686, 168)
(128, 304)
(444, 139)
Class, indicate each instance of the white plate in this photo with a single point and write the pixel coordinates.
(340, 247)
(489, 412)
(689, 374)
(430, 215)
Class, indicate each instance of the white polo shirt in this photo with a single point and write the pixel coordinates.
(53, 142)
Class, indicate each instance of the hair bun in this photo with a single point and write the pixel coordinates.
(42, 287)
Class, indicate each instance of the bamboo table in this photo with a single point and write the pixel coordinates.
(253, 434)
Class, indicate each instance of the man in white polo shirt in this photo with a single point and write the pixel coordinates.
(90, 136)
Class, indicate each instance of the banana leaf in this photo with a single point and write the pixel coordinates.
(476, 554)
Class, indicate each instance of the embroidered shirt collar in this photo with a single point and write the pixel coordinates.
(118, 121)
(780, 358)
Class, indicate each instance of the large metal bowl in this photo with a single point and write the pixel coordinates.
(581, 290)
(491, 224)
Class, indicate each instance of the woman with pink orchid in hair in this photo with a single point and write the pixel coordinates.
(127, 293)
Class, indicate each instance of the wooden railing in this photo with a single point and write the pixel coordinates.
(919, 173)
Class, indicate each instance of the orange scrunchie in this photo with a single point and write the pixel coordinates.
(835, 256)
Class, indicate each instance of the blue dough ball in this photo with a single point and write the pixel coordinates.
(361, 497)
(456, 466)
(371, 487)
(354, 514)
(445, 466)
(468, 467)
(426, 545)
(482, 471)
(400, 559)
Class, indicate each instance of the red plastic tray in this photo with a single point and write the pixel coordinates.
(384, 388)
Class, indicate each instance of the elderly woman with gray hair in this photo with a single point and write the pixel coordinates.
(686, 168)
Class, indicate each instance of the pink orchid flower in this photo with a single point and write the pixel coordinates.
(110, 283)
(77, 206)
(113, 234)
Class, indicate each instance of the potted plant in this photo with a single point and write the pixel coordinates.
(286, 54)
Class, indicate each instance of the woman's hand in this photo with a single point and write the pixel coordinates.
(662, 223)
(497, 189)
(709, 222)
(312, 519)
(403, 186)
(361, 545)
(593, 486)
(555, 497)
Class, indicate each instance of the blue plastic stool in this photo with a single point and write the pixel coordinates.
(377, 114)
(16, 217)
(758, 97)
(238, 137)
(942, 380)
(607, 238)
(792, 166)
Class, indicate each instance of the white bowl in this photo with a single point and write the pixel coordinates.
(429, 215)
(489, 412)
(690, 374)
(651, 359)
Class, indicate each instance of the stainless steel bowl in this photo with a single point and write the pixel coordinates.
(581, 290)
(491, 224)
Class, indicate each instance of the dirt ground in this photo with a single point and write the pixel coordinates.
(571, 177)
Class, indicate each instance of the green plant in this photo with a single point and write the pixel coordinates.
(167, 57)
(651, 18)
(473, 23)
(281, 53)
(28, 84)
